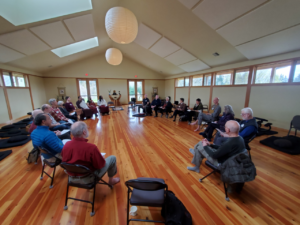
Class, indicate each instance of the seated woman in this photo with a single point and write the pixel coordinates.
(103, 108)
(194, 111)
(87, 111)
(69, 105)
(228, 114)
(64, 111)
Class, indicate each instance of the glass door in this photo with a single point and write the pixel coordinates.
(83, 89)
(136, 90)
(88, 88)
(93, 90)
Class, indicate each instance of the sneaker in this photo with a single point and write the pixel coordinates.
(192, 151)
(171, 116)
(196, 169)
(155, 116)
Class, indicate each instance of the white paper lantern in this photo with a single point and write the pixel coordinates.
(113, 56)
(121, 25)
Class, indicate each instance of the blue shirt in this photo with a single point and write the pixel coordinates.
(248, 131)
(43, 137)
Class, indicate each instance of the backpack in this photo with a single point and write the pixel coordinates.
(33, 155)
(176, 213)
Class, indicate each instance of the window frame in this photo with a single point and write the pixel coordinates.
(211, 75)
(87, 85)
(184, 79)
(293, 72)
(135, 87)
(231, 71)
(240, 70)
(10, 74)
(197, 76)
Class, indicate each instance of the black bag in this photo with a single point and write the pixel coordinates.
(33, 156)
(177, 214)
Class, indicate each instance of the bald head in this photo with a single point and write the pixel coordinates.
(232, 128)
(36, 112)
(79, 130)
(216, 100)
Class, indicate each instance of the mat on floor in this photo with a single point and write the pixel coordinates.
(265, 132)
(117, 108)
(4, 154)
(291, 143)
(139, 115)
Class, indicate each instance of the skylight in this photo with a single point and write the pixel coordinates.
(28, 11)
(76, 47)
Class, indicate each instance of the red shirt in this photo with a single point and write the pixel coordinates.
(78, 151)
(69, 106)
(57, 114)
(32, 127)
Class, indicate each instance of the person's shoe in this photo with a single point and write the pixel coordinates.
(203, 134)
(195, 168)
(167, 116)
(155, 116)
(161, 115)
(193, 123)
(208, 139)
(174, 120)
(192, 151)
(171, 116)
(189, 122)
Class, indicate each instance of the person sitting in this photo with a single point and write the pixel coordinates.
(91, 104)
(72, 116)
(43, 137)
(34, 114)
(56, 113)
(218, 154)
(146, 106)
(62, 125)
(248, 127)
(156, 103)
(167, 107)
(180, 110)
(79, 151)
(101, 101)
(194, 112)
(228, 114)
(87, 112)
(209, 117)
(69, 105)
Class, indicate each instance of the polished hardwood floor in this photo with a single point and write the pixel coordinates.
(151, 147)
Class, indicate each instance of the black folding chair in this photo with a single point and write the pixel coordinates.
(205, 107)
(247, 140)
(50, 164)
(215, 170)
(146, 192)
(295, 123)
(79, 169)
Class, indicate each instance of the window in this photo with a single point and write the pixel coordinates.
(241, 76)
(15, 79)
(297, 73)
(207, 80)
(263, 75)
(282, 74)
(198, 80)
(182, 82)
(136, 90)
(223, 78)
(88, 88)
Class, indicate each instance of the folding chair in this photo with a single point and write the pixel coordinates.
(146, 192)
(215, 170)
(131, 105)
(247, 140)
(295, 123)
(50, 164)
(74, 168)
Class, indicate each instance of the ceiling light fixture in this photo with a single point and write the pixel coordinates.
(121, 25)
(216, 54)
(113, 56)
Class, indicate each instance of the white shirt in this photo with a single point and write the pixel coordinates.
(83, 105)
(102, 102)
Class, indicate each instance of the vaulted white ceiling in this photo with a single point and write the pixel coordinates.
(175, 36)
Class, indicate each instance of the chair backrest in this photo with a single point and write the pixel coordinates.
(146, 185)
(205, 107)
(248, 139)
(75, 168)
(176, 102)
(45, 151)
(296, 122)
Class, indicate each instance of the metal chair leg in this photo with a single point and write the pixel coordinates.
(66, 203)
(41, 178)
(226, 195)
(52, 178)
(249, 154)
(93, 211)
(201, 179)
(128, 209)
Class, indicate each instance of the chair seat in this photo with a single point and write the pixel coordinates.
(51, 164)
(147, 198)
(84, 186)
(209, 164)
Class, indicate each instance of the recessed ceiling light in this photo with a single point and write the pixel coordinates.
(76, 47)
(216, 54)
(23, 12)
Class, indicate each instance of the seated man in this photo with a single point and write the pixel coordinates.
(219, 154)
(62, 125)
(68, 115)
(34, 114)
(167, 107)
(87, 112)
(146, 106)
(78, 151)
(248, 127)
(156, 103)
(209, 117)
(194, 111)
(180, 110)
(43, 137)
(56, 113)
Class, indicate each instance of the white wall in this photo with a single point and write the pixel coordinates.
(3, 109)
(169, 88)
(182, 93)
(38, 91)
(199, 92)
(20, 102)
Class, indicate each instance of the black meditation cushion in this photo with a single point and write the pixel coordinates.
(284, 143)
(8, 127)
(17, 139)
(14, 132)
(29, 113)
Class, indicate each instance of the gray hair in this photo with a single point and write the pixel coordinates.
(228, 109)
(36, 112)
(77, 128)
(45, 106)
(52, 100)
(248, 110)
(60, 103)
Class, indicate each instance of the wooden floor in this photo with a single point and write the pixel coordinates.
(151, 147)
